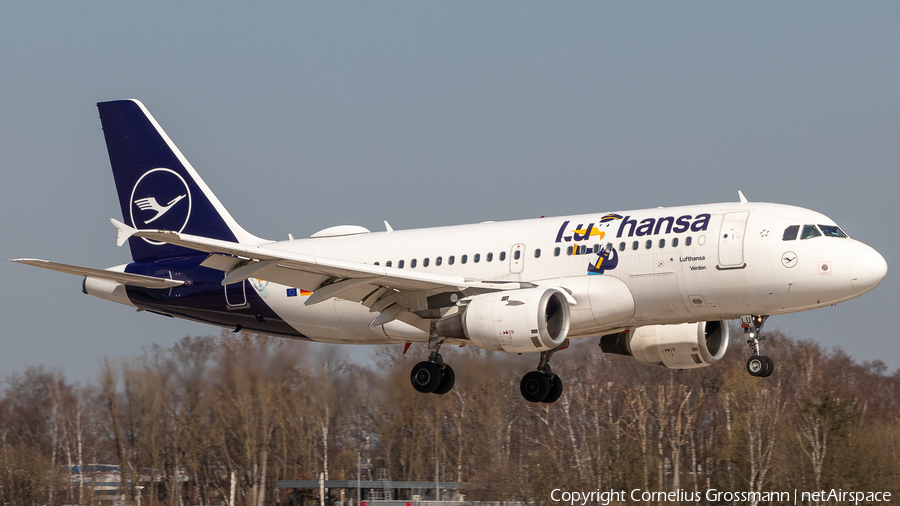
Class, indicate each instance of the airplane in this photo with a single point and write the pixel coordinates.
(655, 284)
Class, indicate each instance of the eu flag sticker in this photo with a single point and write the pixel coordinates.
(291, 292)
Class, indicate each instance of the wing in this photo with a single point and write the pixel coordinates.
(118, 277)
(414, 297)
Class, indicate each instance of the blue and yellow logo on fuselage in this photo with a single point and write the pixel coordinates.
(579, 233)
(610, 217)
(607, 260)
(606, 257)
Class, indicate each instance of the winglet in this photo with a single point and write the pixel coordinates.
(388, 227)
(124, 231)
(743, 198)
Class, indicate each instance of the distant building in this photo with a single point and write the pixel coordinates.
(104, 480)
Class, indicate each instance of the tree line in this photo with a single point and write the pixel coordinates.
(216, 417)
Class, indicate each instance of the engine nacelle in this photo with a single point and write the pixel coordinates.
(516, 321)
(683, 346)
(105, 289)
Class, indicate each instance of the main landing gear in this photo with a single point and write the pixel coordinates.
(433, 375)
(757, 365)
(543, 385)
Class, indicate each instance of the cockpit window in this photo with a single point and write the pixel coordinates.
(790, 233)
(810, 231)
(832, 231)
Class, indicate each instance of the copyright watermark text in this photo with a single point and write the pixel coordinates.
(606, 497)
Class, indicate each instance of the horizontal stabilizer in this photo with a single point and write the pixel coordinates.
(118, 277)
(123, 231)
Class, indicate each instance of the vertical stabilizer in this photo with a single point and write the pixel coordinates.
(157, 187)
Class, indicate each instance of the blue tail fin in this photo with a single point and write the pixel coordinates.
(158, 188)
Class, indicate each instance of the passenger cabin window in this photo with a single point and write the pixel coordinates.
(412, 263)
(790, 233)
(517, 254)
(621, 246)
(569, 250)
(635, 245)
(674, 242)
(425, 262)
(438, 261)
(490, 257)
(809, 231)
(388, 263)
(687, 241)
(400, 264)
(537, 253)
(556, 251)
(662, 243)
(376, 263)
(451, 260)
(502, 256)
(596, 248)
(649, 243)
(832, 231)
(464, 258)
(476, 258)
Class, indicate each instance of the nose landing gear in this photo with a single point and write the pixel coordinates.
(757, 365)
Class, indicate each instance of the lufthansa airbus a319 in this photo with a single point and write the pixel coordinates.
(655, 284)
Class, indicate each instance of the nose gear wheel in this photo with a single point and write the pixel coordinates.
(757, 365)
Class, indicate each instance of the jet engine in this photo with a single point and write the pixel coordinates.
(516, 321)
(683, 346)
(105, 289)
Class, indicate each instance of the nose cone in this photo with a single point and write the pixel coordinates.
(867, 269)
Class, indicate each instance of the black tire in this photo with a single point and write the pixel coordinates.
(447, 381)
(535, 386)
(757, 366)
(556, 390)
(425, 377)
(771, 367)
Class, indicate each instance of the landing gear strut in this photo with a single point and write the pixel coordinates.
(433, 375)
(757, 365)
(543, 385)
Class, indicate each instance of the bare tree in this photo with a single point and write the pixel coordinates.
(681, 424)
(761, 426)
(637, 426)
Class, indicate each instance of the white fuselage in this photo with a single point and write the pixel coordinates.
(719, 261)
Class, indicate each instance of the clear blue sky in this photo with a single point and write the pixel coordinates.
(305, 115)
